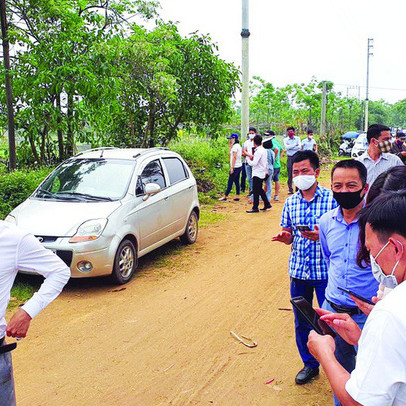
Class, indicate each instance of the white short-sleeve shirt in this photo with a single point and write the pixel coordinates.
(238, 162)
(379, 377)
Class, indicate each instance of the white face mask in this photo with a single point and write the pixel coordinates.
(251, 136)
(389, 281)
(304, 182)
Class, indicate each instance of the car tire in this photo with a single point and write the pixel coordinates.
(125, 262)
(341, 152)
(192, 229)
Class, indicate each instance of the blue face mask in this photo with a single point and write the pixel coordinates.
(388, 281)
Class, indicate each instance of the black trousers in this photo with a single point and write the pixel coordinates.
(258, 191)
(243, 177)
(289, 167)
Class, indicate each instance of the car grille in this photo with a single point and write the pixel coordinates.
(66, 256)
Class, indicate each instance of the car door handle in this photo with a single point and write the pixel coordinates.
(166, 198)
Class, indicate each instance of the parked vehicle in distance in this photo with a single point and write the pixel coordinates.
(347, 142)
(360, 145)
(103, 209)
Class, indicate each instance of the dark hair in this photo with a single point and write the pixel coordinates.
(252, 129)
(270, 132)
(384, 214)
(391, 180)
(309, 131)
(258, 140)
(290, 128)
(374, 131)
(353, 164)
(310, 155)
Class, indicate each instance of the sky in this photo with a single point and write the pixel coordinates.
(293, 40)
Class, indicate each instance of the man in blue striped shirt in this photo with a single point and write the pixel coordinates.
(307, 269)
(339, 232)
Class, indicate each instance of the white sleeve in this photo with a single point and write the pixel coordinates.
(380, 366)
(32, 256)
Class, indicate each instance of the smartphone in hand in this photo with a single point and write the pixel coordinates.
(364, 299)
(310, 315)
(303, 227)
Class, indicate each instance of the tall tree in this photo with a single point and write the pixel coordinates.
(9, 88)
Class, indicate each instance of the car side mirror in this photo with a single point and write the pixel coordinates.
(151, 189)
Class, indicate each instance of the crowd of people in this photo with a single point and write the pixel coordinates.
(345, 241)
(258, 160)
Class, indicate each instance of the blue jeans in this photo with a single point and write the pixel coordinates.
(7, 397)
(248, 170)
(268, 184)
(306, 288)
(234, 178)
(346, 353)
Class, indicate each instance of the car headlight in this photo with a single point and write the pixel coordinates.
(11, 219)
(89, 230)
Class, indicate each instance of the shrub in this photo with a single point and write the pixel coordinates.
(16, 186)
(208, 160)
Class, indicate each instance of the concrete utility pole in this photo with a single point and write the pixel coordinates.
(245, 98)
(9, 89)
(369, 53)
(323, 110)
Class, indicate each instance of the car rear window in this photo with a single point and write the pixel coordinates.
(176, 170)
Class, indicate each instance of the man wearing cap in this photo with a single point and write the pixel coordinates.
(309, 143)
(278, 151)
(235, 166)
(22, 251)
(259, 162)
(398, 147)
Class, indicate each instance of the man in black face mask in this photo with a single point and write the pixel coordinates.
(339, 231)
(399, 147)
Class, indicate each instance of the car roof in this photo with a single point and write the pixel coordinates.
(119, 153)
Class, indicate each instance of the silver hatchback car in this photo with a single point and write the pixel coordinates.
(104, 208)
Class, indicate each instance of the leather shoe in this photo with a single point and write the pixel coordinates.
(266, 208)
(253, 211)
(305, 375)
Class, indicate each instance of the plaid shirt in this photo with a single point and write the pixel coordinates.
(306, 260)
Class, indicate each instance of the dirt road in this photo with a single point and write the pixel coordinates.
(165, 339)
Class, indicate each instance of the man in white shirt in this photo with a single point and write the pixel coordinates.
(379, 377)
(309, 143)
(292, 145)
(259, 163)
(22, 251)
(247, 151)
(377, 158)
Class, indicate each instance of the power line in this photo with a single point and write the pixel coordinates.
(371, 87)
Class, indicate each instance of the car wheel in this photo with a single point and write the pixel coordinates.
(192, 228)
(125, 262)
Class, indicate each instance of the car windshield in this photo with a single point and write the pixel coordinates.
(88, 179)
